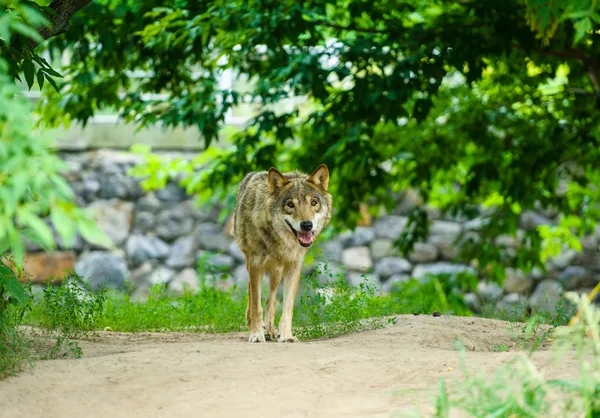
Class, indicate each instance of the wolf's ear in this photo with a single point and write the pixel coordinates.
(276, 180)
(320, 177)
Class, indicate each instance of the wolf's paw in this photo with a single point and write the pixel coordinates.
(257, 337)
(289, 339)
(271, 334)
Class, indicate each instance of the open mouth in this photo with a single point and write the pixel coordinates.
(304, 238)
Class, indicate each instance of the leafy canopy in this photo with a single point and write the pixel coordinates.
(471, 103)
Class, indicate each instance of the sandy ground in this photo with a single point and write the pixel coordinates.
(381, 373)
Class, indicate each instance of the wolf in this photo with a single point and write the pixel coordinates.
(277, 218)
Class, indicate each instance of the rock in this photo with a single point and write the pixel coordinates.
(329, 272)
(114, 217)
(382, 247)
(240, 276)
(590, 259)
(171, 193)
(530, 220)
(516, 282)
(360, 237)
(185, 280)
(161, 275)
(446, 247)
(472, 301)
(513, 303)
(215, 262)
(357, 258)
(489, 291)
(90, 189)
(446, 229)
(389, 227)
(211, 237)
(173, 223)
(546, 296)
(182, 253)
(408, 200)
(394, 282)
(475, 224)
(564, 259)
(332, 251)
(98, 266)
(509, 240)
(423, 270)
(140, 248)
(113, 186)
(149, 203)
(574, 277)
(236, 253)
(388, 266)
(423, 253)
(42, 267)
(354, 278)
(144, 222)
(140, 277)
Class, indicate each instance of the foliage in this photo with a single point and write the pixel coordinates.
(34, 196)
(470, 103)
(518, 389)
(71, 310)
(13, 349)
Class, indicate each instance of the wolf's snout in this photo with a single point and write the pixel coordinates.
(306, 225)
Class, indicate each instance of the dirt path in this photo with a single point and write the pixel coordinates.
(385, 372)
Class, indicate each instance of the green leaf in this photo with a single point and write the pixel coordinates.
(38, 227)
(29, 71)
(48, 10)
(582, 28)
(27, 30)
(52, 72)
(52, 83)
(63, 224)
(15, 289)
(92, 234)
(40, 78)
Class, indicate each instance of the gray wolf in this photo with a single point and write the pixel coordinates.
(277, 218)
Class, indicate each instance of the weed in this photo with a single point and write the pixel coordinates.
(69, 311)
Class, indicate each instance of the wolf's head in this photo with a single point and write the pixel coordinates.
(300, 203)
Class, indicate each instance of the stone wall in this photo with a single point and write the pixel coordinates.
(161, 235)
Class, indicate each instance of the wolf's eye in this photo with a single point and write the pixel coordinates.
(290, 204)
(314, 202)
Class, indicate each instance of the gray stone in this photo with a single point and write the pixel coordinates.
(389, 227)
(182, 253)
(90, 189)
(113, 186)
(329, 272)
(423, 253)
(388, 266)
(509, 240)
(211, 237)
(530, 220)
(162, 275)
(173, 223)
(423, 270)
(513, 303)
(472, 301)
(360, 237)
(447, 248)
(445, 229)
(546, 296)
(149, 203)
(140, 248)
(574, 277)
(171, 193)
(217, 262)
(564, 259)
(489, 291)
(407, 201)
(144, 222)
(394, 282)
(114, 217)
(185, 280)
(516, 282)
(357, 258)
(382, 247)
(140, 277)
(590, 259)
(236, 253)
(475, 224)
(98, 266)
(332, 251)
(240, 275)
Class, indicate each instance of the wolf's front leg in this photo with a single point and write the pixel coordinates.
(291, 280)
(275, 276)
(254, 310)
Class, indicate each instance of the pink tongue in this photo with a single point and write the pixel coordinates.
(306, 237)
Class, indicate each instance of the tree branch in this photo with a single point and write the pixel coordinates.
(65, 9)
